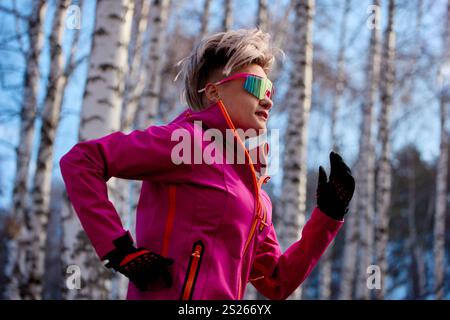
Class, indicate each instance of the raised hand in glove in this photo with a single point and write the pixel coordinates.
(334, 195)
(143, 267)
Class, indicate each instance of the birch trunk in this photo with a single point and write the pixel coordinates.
(134, 83)
(40, 207)
(366, 199)
(279, 41)
(384, 184)
(441, 201)
(205, 19)
(20, 242)
(295, 164)
(148, 105)
(227, 22)
(348, 273)
(133, 89)
(263, 15)
(326, 261)
(441, 179)
(100, 116)
(417, 269)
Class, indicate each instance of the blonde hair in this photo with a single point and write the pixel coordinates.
(228, 51)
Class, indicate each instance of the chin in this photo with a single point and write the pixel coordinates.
(260, 127)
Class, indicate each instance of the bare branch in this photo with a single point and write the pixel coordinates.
(14, 12)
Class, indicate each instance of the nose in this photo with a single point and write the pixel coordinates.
(266, 103)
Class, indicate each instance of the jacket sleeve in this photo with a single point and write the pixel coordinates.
(139, 155)
(275, 274)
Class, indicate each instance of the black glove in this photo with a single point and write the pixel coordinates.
(143, 267)
(333, 196)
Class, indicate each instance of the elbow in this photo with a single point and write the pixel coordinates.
(63, 163)
(70, 158)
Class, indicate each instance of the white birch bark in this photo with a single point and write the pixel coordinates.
(134, 80)
(20, 242)
(134, 83)
(205, 19)
(326, 261)
(384, 184)
(100, 116)
(40, 206)
(366, 198)
(148, 105)
(441, 201)
(263, 15)
(417, 269)
(348, 273)
(227, 22)
(295, 164)
(441, 179)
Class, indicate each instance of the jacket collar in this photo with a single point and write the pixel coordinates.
(216, 116)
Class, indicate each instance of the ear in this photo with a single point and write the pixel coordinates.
(212, 93)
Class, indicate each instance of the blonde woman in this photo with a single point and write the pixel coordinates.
(203, 228)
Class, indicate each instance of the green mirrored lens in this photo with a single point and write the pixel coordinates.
(258, 86)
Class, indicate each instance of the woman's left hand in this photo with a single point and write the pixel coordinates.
(333, 196)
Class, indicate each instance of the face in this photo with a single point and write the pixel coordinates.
(245, 110)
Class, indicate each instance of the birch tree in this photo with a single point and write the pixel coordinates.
(134, 82)
(294, 163)
(20, 241)
(40, 206)
(366, 178)
(326, 262)
(263, 15)
(417, 268)
(205, 19)
(134, 85)
(149, 102)
(348, 276)
(441, 179)
(100, 116)
(383, 192)
(227, 22)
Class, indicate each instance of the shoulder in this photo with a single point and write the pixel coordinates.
(266, 197)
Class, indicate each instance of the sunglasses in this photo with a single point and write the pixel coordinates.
(258, 86)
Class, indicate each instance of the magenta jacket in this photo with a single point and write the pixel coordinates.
(214, 220)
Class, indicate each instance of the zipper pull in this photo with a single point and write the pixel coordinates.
(197, 251)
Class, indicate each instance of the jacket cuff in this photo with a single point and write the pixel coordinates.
(120, 244)
(325, 220)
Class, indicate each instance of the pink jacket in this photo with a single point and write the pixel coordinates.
(214, 220)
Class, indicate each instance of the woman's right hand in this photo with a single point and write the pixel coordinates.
(142, 266)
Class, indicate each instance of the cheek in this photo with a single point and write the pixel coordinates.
(247, 110)
(241, 108)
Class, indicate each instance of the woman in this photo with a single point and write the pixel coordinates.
(203, 228)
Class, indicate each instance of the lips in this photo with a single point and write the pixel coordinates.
(263, 114)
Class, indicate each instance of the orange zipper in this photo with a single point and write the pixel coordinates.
(255, 185)
(192, 273)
